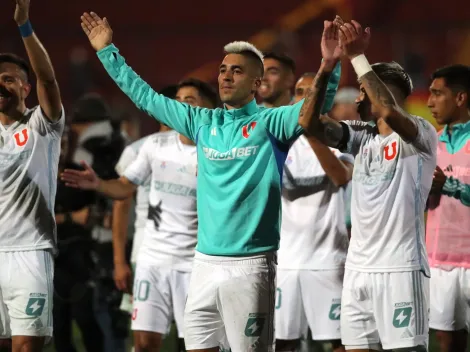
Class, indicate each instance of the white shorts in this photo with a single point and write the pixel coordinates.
(231, 303)
(308, 298)
(26, 293)
(391, 309)
(159, 296)
(450, 299)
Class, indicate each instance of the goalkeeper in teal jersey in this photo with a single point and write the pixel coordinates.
(241, 152)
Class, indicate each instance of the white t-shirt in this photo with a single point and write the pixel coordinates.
(391, 183)
(128, 156)
(29, 157)
(313, 231)
(171, 227)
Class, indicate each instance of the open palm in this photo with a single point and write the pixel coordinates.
(330, 47)
(98, 30)
(83, 179)
(21, 11)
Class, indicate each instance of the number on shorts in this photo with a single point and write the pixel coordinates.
(278, 298)
(142, 289)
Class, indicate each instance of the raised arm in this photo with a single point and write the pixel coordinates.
(47, 86)
(355, 41)
(288, 122)
(319, 99)
(120, 188)
(183, 118)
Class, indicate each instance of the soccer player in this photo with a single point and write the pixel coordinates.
(122, 215)
(167, 163)
(303, 85)
(314, 243)
(385, 296)
(314, 239)
(448, 222)
(29, 149)
(278, 79)
(241, 152)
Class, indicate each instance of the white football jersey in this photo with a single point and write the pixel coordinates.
(391, 183)
(313, 231)
(128, 156)
(171, 227)
(29, 157)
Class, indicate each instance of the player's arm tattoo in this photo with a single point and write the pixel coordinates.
(309, 116)
(325, 129)
(382, 98)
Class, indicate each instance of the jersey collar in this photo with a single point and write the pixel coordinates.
(9, 127)
(458, 128)
(249, 109)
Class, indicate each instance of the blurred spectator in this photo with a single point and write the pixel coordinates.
(73, 292)
(345, 107)
(100, 143)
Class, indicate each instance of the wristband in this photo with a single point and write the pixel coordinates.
(26, 29)
(361, 65)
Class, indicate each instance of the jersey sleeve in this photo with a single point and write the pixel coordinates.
(128, 156)
(41, 123)
(141, 169)
(355, 133)
(283, 122)
(426, 140)
(181, 117)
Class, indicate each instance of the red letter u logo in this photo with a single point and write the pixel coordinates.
(390, 154)
(22, 138)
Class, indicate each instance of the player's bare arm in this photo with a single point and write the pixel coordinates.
(339, 172)
(47, 86)
(120, 188)
(309, 117)
(122, 271)
(354, 41)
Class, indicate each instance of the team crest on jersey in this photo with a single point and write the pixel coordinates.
(247, 129)
(390, 150)
(21, 138)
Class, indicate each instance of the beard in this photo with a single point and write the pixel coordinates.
(272, 98)
(8, 101)
(364, 110)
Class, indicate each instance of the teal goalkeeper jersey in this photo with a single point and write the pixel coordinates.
(241, 155)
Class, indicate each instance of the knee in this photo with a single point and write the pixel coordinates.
(28, 343)
(147, 341)
(287, 345)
